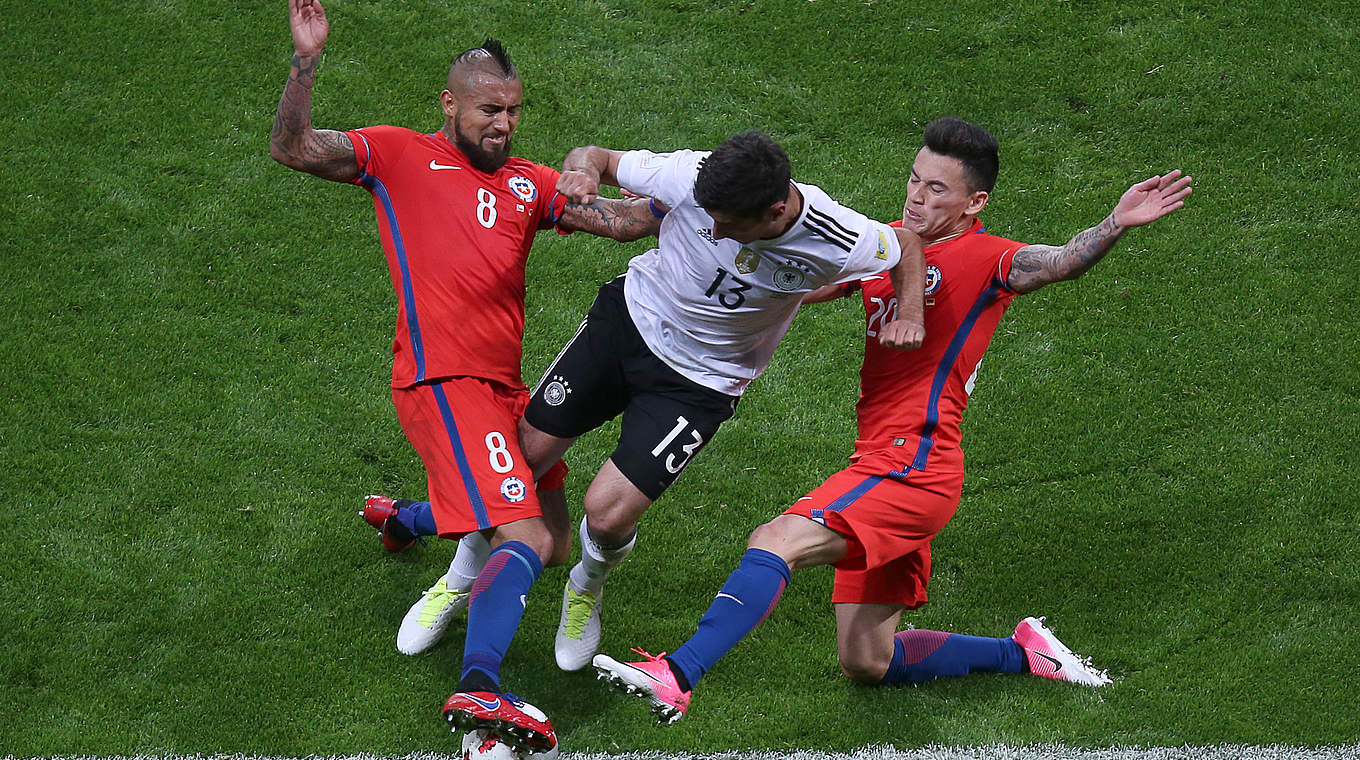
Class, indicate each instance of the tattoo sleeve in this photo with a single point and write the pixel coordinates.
(293, 142)
(621, 219)
(1035, 266)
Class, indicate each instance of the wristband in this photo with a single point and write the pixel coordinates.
(656, 211)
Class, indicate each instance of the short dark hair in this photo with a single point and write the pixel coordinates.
(745, 175)
(972, 145)
(495, 51)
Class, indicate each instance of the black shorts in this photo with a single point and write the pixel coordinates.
(607, 369)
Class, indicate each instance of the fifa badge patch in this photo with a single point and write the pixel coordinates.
(512, 488)
(556, 391)
(882, 247)
(747, 261)
(523, 188)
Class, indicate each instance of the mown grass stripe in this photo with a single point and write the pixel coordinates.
(988, 752)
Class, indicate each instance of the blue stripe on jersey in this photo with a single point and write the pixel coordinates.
(853, 495)
(408, 293)
(459, 455)
(951, 355)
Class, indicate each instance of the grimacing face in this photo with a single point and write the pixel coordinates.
(939, 203)
(483, 114)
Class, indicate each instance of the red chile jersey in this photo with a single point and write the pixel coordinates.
(911, 402)
(456, 241)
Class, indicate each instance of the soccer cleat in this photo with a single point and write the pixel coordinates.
(425, 622)
(578, 630)
(380, 512)
(519, 724)
(652, 680)
(1050, 658)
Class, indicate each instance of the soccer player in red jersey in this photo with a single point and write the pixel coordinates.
(874, 520)
(457, 216)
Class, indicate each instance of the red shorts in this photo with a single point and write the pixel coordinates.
(888, 518)
(464, 430)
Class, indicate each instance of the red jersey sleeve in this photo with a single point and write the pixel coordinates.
(550, 212)
(376, 148)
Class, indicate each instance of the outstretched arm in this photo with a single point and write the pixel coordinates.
(585, 169)
(908, 329)
(1038, 265)
(326, 153)
(618, 218)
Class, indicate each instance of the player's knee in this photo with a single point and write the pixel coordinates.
(611, 522)
(609, 529)
(533, 534)
(768, 536)
(862, 667)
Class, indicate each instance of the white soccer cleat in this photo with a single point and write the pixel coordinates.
(427, 619)
(578, 630)
(1050, 658)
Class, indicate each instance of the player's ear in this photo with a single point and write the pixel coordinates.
(976, 201)
(450, 105)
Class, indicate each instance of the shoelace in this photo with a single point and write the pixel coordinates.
(437, 599)
(579, 607)
(650, 657)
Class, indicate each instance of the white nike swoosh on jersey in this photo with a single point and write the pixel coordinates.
(725, 595)
(435, 165)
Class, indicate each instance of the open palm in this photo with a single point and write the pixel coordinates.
(1152, 199)
(307, 19)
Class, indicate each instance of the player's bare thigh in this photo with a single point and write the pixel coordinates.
(799, 541)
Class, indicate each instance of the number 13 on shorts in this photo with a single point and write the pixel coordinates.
(675, 464)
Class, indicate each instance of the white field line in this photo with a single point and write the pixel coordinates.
(989, 752)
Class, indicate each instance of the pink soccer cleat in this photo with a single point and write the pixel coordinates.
(379, 512)
(519, 724)
(652, 680)
(1049, 658)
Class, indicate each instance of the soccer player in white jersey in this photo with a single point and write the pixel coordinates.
(672, 344)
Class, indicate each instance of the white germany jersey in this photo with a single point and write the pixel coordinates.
(715, 310)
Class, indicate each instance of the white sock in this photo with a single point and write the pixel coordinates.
(588, 576)
(473, 550)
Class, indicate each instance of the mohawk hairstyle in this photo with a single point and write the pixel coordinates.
(491, 49)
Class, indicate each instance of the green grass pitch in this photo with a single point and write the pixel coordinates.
(195, 348)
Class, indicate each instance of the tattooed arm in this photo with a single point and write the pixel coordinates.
(326, 153)
(621, 219)
(1038, 265)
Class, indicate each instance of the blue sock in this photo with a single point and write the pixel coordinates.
(920, 655)
(748, 597)
(496, 605)
(417, 517)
